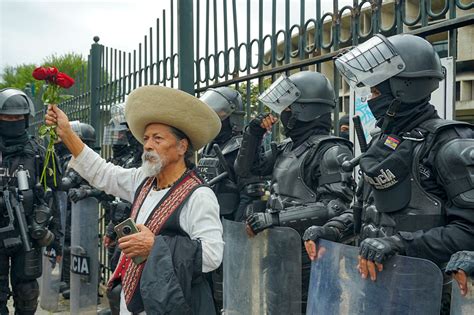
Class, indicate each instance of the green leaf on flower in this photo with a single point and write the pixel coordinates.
(43, 130)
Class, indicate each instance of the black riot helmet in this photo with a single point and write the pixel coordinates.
(408, 63)
(16, 102)
(85, 131)
(227, 103)
(308, 94)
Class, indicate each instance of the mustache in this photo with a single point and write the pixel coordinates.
(150, 156)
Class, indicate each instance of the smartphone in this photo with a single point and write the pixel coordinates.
(128, 227)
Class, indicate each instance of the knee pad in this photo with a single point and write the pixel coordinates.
(25, 296)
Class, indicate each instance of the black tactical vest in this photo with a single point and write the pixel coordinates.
(288, 185)
(424, 210)
(209, 167)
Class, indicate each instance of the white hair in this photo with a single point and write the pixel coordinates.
(152, 163)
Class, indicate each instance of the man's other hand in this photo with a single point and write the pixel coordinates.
(138, 244)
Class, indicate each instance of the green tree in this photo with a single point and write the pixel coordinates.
(18, 76)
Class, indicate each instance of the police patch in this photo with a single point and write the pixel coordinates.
(392, 142)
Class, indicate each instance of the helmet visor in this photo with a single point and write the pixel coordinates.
(370, 63)
(218, 103)
(281, 94)
(117, 113)
(115, 135)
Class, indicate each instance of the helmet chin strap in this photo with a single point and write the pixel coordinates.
(292, 120)
(391, 113)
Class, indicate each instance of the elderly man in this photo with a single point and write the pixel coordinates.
(180, 233)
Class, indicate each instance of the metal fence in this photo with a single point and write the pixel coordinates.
(245, 44)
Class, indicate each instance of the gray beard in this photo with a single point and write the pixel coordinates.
(152, 163)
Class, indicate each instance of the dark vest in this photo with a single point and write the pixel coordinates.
(425, 210)
(209, 167)
(288, 185)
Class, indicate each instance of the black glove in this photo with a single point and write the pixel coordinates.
(261, 221)
(463, 260)
(314, 233)
(76, 194)
(380, 249)
(254, 125)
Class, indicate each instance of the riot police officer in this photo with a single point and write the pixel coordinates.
(344, 127)
(307, 185)
(77, 189)
(234, 194)
(417, 178)
(25, 214)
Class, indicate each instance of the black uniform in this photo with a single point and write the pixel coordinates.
(233, 193)
(308, 186)
(25, 214)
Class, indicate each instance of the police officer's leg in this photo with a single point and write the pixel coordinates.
(26, 267)
(4, 286)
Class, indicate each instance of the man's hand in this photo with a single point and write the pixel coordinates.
(262, 123)
(55, 116)
(313, 234)
(374, 252)
(461, 266)
(138, 244)
(461, 278)
(259, 221)
(76, 194)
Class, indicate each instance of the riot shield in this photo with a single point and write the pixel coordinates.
(462, 305)
(262, 274)
(407, 285)
(51, 267)
(84, 256)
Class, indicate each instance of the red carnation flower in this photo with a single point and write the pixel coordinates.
(45, 73)
(64, 81)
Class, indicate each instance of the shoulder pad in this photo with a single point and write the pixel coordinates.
(454, 163)
(435, 125)
(320, 139)
(232, 145)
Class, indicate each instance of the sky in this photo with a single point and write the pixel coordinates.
(31, 30)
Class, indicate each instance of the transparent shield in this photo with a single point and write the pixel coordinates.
(84, 256)
(281, 94)
(117, 113)
(370, 63)
(406, 285)
(115, 135)
(462, 305)
(50, 281)
(218, 103)
(262, 275)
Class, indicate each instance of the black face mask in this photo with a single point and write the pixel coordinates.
(407, 116)
(119, 150)
(12, 129)
(132, 142)
(344, 134)
(379, 105)
(285, 117)
(226, 132)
